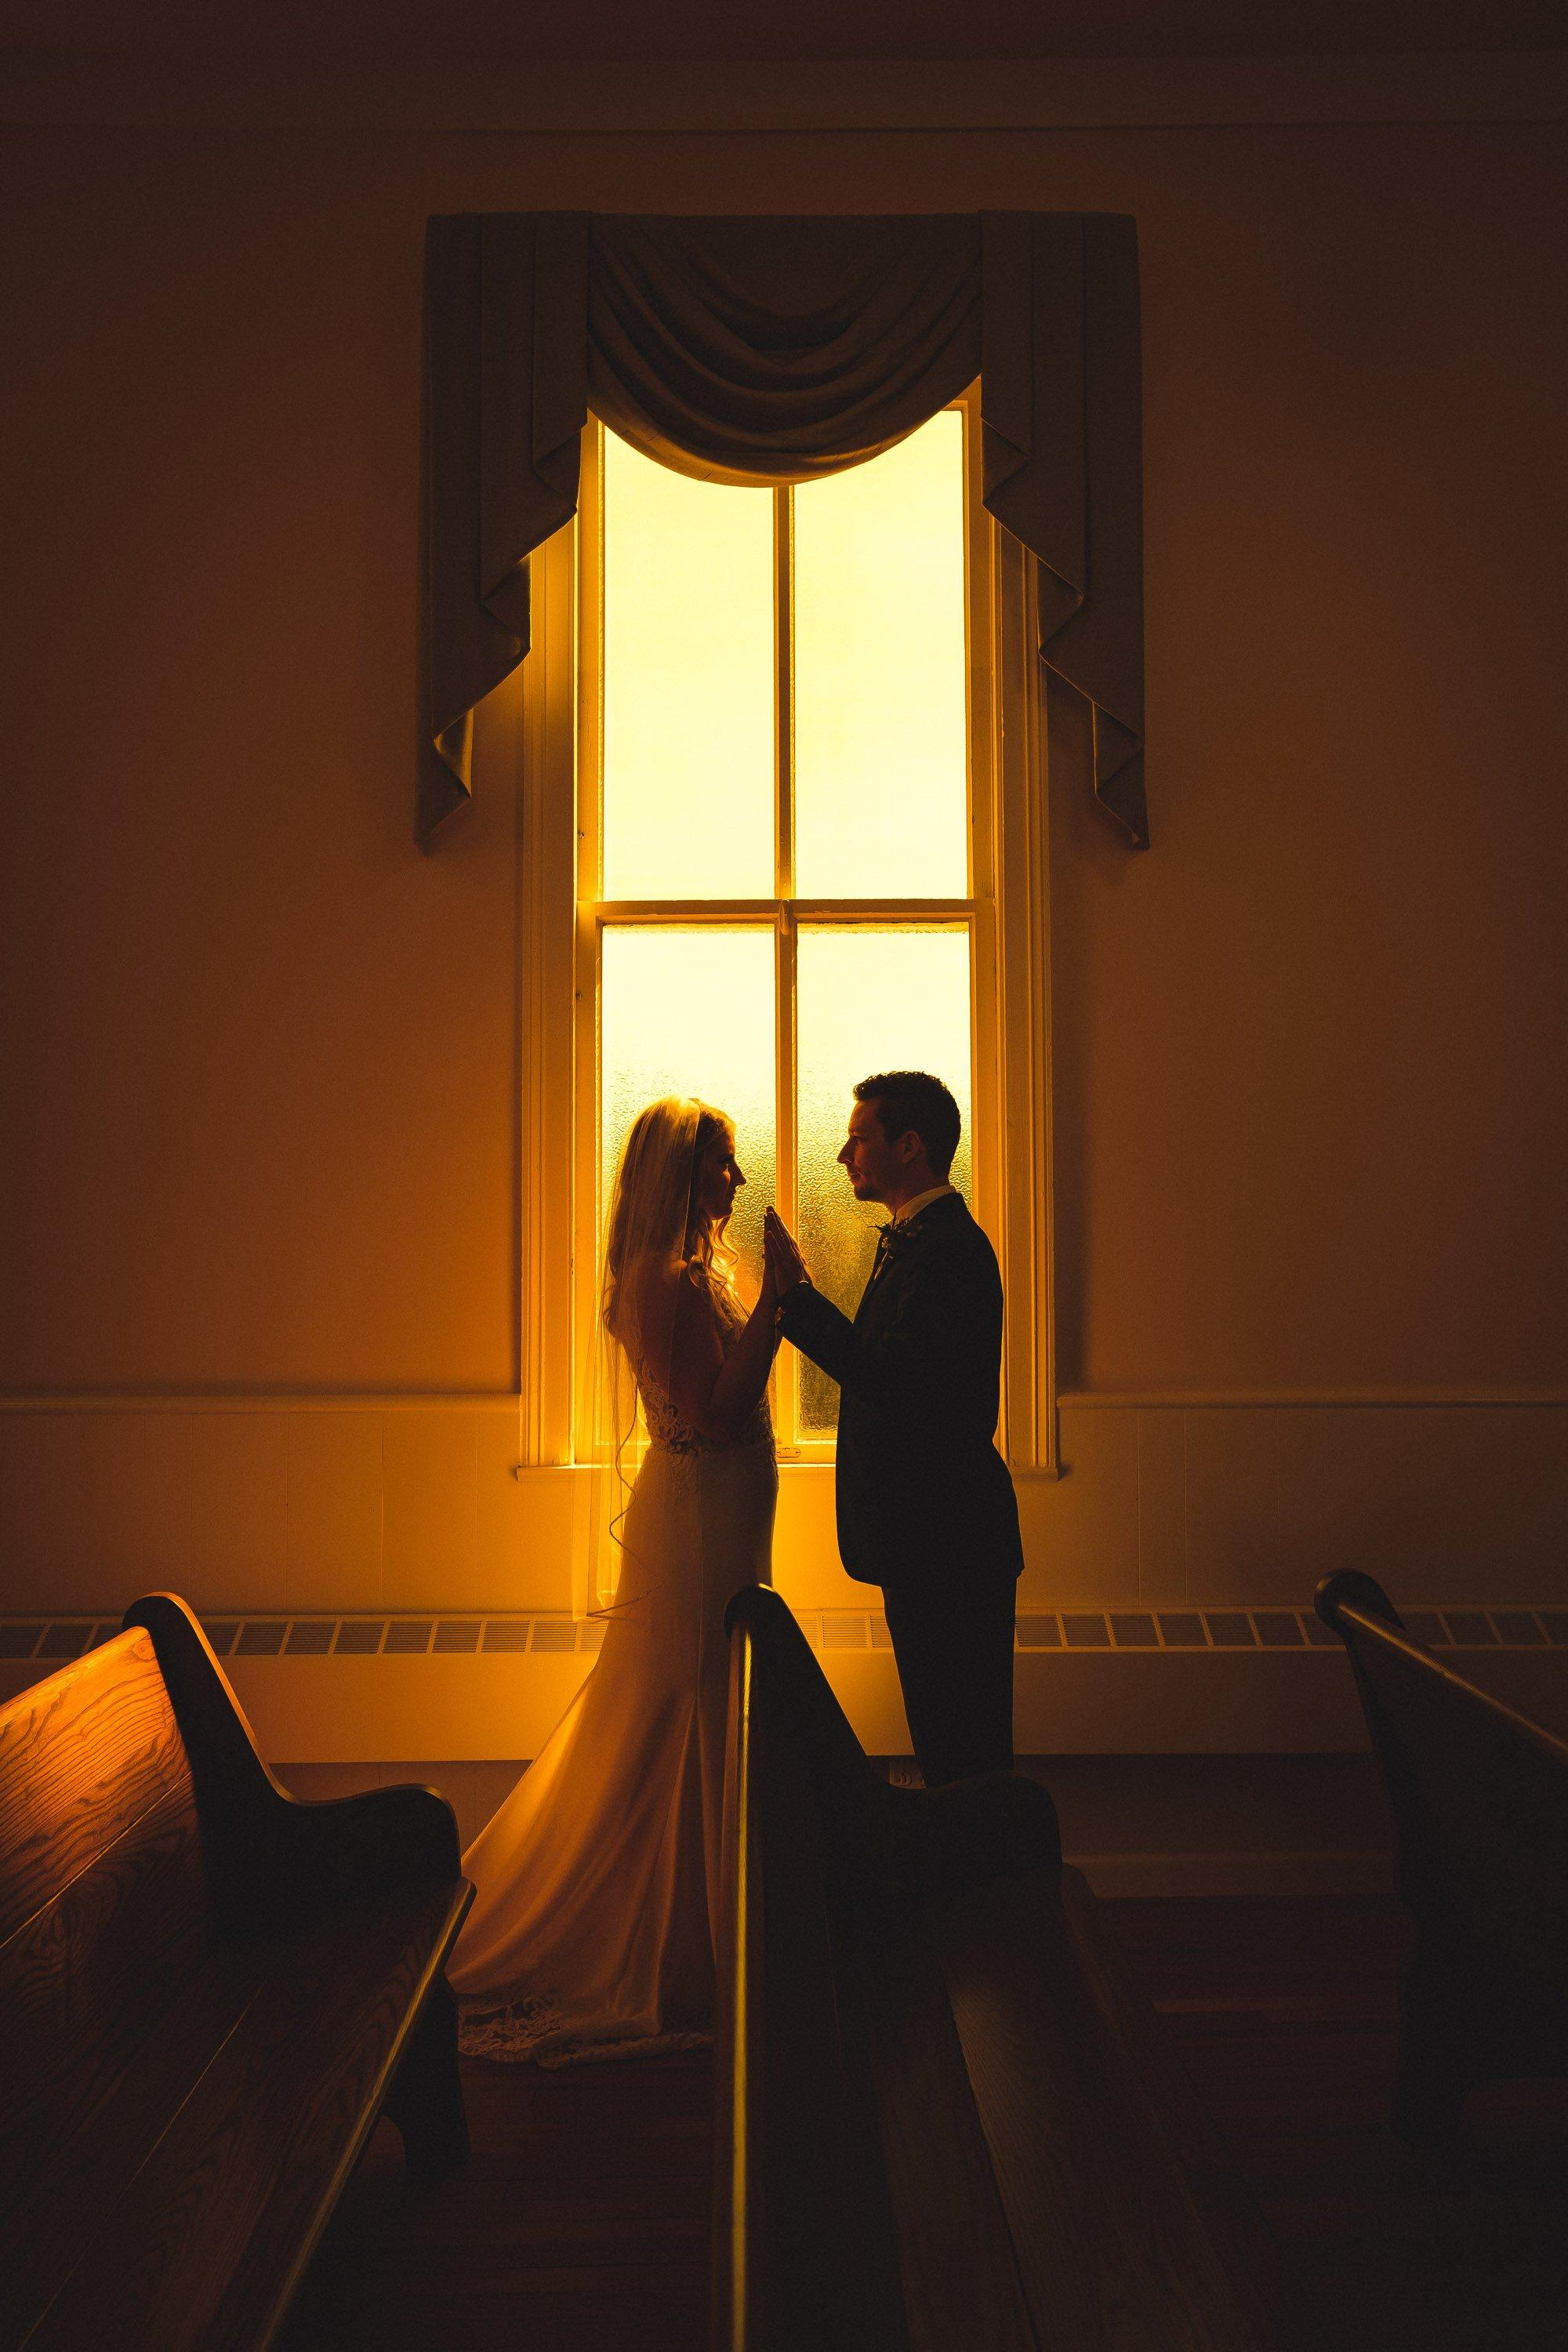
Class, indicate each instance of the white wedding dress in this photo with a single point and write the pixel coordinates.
(593, 1932)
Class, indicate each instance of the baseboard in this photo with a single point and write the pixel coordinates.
(1257, 1826)
(1090, 1681)
(1320, 1877)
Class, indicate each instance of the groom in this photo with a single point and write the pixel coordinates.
(925, 1504)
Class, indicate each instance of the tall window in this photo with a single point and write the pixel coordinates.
(777, 886)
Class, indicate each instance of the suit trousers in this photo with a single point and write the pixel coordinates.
(953, 1649)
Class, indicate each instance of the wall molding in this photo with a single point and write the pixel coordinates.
(1306, 1400)
(584, 97)
(330, 1400)
(199, 1399)
(1322, 1877)
(294, 1504)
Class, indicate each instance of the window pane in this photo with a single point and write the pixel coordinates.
(689, 1009)
(880, 730)
(868, 1000)
(688, 738)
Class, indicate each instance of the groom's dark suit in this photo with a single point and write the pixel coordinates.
(926, 1507)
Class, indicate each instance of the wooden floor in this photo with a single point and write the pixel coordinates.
(582, 2223)
(582, 2220)
(1285, 2013)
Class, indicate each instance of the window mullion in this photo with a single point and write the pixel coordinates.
(787, 1386)
(784, 690)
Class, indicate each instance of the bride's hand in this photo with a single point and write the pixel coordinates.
(784, 1260)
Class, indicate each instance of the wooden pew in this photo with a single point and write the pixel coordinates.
(208, 1992)
(946, 2119)
(1479, 1797)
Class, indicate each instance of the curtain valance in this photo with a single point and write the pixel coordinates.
(778, 350)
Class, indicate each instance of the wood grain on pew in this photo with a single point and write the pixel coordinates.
(208, 1992)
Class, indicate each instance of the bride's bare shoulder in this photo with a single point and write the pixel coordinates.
(667, 1312)
(660, 1289)
(651, 1280)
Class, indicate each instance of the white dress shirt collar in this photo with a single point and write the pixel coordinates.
(921, 1200)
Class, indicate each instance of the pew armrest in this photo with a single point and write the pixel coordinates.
(271, 1856)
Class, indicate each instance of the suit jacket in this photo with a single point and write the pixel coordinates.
(923, 1497)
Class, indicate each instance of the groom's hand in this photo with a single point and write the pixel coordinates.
(784, 1257)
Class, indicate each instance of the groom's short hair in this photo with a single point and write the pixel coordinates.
(911, 1102)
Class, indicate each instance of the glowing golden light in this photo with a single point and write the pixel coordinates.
(878, 743)
(868, 999)
(880, 724)
(689, 733)
(687, 1009)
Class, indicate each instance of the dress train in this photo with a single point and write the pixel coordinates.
(593, 1928)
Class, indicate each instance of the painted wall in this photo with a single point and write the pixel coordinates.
(258, 1248)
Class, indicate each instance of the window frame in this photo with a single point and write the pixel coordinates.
(562, 923)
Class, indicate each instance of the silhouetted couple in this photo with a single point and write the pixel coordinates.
(596, 1922)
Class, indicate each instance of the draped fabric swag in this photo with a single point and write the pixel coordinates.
(772, 350)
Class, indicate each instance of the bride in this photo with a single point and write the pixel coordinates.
(593, 1928)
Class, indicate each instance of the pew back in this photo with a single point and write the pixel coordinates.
(1479, 1796)
(944, 2115)
(208, 1994)
(103, 1908)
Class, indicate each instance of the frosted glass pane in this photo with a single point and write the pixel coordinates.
(688, 735)
(880, 731)
(689, 1009)
(868, 1000)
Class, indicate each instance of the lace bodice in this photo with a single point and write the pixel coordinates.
(672, 1435)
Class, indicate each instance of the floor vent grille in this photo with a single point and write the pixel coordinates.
(232, 1635)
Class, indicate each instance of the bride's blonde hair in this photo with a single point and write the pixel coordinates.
(657, 1222)
(656, 1208)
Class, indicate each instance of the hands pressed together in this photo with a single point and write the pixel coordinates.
(785, 1266)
